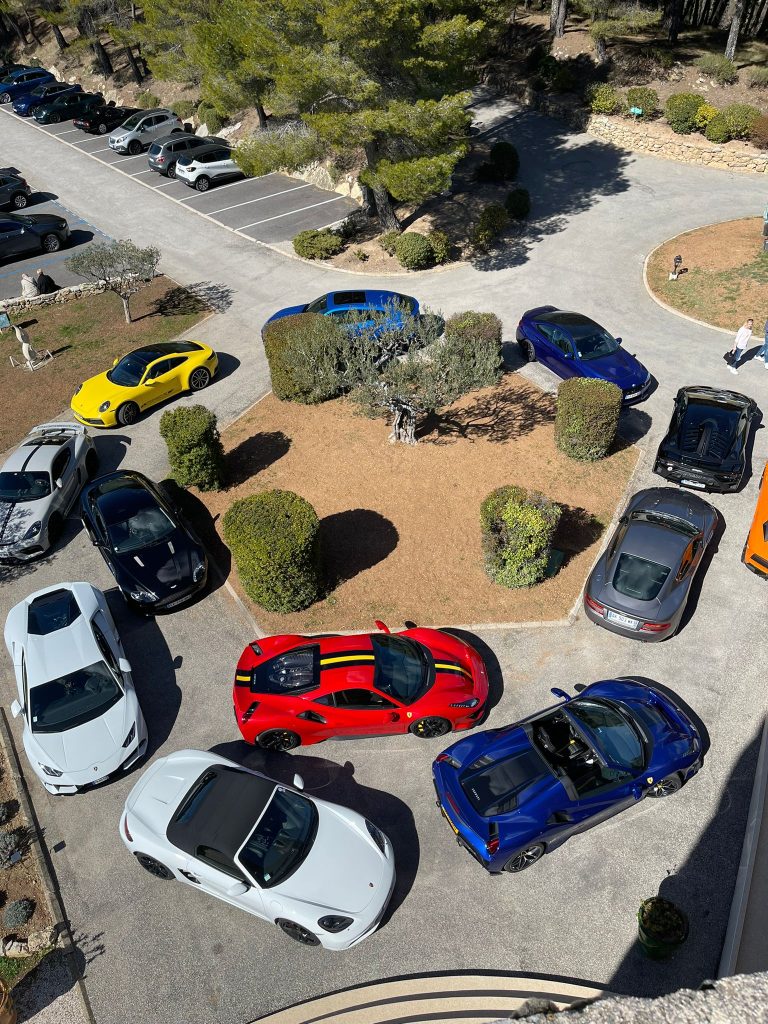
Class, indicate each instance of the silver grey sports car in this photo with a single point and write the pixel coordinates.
(641, 583)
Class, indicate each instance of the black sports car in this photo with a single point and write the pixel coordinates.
(706, 443)
(104, 119)
(157, 561)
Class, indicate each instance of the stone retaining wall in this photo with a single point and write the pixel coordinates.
(75, 291)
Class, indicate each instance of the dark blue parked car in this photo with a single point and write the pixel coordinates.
(27, 102)
(512, 794)
(23, 81)
(354, 308)
(572, 345)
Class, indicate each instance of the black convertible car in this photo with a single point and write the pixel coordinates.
(706, 444)
(157, 561)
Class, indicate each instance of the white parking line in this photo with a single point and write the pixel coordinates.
(88, 138)
(291, 213)
(135, 174)
(106, 149)
(212, 213)
(67, 132)
(219, 188)
(163, 184)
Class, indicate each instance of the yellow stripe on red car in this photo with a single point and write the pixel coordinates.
(445, 666)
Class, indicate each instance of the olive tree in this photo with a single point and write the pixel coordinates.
(122, 267)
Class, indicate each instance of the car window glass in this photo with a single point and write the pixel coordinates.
(561, 341)
(106, 651)
(326, 699)
(218, 860)
(158, 369)
(173, 363)
(60, 463)
(73, 699)
(361, 699)
(639, 578)
(349, 298)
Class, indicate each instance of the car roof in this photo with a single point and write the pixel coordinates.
(159, 110)
(34, 453)
(653, 541)
(209, 147)
(363, 297)
(121, 494)
(164, 140)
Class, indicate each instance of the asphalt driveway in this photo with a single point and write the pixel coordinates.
(159, 951)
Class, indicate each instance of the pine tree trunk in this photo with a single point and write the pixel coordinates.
(553, 14)
(58, 35)
(31, 26)
(126, 307)
(562, 11)
(733, 32)
(384, 209)
(103, 58)
(262, 115)
(673, 19)
(135, 71)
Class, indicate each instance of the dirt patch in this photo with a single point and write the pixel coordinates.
(85, 336)
(727, 279)
(400, 525)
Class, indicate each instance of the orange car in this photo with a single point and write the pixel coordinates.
(755, 553)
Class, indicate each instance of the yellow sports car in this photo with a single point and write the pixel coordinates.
(141, 379)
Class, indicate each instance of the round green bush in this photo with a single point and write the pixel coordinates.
(719, 67)
(18, 912)
(274, 539)
(505, 159)
(414, 251)
(492, 221)
(317, 245)
(184, 109)
(680, 111)
(147, 100)
(475, 341)
(388, 241)
(518, 203)
(304, 353)
(210, 117)
(718, 129)
(517, 530)
(587, 417)
(644, 99)
(759, 134)
(9, 844)
(603, 99)
(441, 246)
(704, 115)
(194, 447)
(740, 117)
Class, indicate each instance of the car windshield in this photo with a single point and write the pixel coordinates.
(27, 486)
(130, 369)
(318, 305)
(281, 840)
(639, 578)
(133, 121)
(74, 699)
(401, 667)
(592, 341)
(665, 519)
(146, 526)
(613, 734)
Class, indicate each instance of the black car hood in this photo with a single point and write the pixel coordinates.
(42, 218)
(163, 568)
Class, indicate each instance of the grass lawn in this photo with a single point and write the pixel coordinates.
(727, 279)
(14, 968)
(85, 336)
(400, 525)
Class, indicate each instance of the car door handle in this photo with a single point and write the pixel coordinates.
(190, 877)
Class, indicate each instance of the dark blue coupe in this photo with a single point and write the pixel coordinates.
(23, 81)
(572, 345)
(26, 103)
(513, 794)
(357, 309)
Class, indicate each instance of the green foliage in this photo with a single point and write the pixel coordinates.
(362, 255)
(317, 245)
(555, 75)
(304, 354)
(504, 157)
(210, 117)
(587, 417)
(759, 134)
(518, 203)
(717, 129)
(758, 78)
(718, 67)
(184, 109)
(517, 531)
(441, 246)
(492, 221)
(740, 117)
(414, 251)
(413, 181)
(473, 351)
(663, 59)
(644, 99)
(388, 241)
(270, 151)
(603, 98)
(147, 100)
(274, 539)
(17, 913)
(194, 447)
(122, 266)
(680, 111)
(704, 115)
(10, 843)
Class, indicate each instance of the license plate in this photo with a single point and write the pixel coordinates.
(442, 811)
(694, 483)
(181, 600)
(97, 781)
(622, 620)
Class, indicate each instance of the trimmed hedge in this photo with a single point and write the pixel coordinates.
(304, 354)
(274, 539)
(414, 251)
(603, 99)
(518, 203)
(704, 115)
(492, 221)
(759, 133)
(317, 245)
(717, 129)
(740, 117)
(587, 417)
(517, 530)
(475, 339)
(194, 447)
(645, 99)
(505, 159)
(680, 111)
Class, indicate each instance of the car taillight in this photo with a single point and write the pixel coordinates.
(249, 711)
(492, 843)
(127, 831)
(161, 159)
(654, 627)
(590, 602)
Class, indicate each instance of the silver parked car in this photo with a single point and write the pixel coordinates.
(164, 152)
(640, 585)
(141, 129)
(39, 483)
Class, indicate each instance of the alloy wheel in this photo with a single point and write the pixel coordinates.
(299, 933)
(19, 200)
(665, 787)
(51, 243)
(154, 867)
(278, 739)
(429, 728)
(199, 379)
(525, 858)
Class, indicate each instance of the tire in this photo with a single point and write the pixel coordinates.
(135, 147)
(203, 183)
(55, 529)
(171, 172)
(527, 351)
(50, 243)
(5, 98)
(154, 867)
(199, 378)
(91, 464)
(525, 859)
(431, 727)
(102, 129)
(127, 414)
(54, 119)
(298, 932)
(278, 739)
(19, 200)
(665, 787)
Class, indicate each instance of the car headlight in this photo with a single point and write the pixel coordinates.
(53, 772)
(142, 595)
(335, 922)
(471, 702)
(33, 530)
(104, 406)
(198, 568)
(130, 737)
(376, 835)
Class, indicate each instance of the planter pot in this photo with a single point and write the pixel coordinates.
(7, 1009)
(662, 927)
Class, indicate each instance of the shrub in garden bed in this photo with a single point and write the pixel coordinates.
(441, 246)
(475, 341)
(587, 417)
(414, 251)
(680, 111)
(704, 115)
(304, 352)
(491, 222)
(17, 913)
(274, 539)
(643, 98)
(717, 129)
(718, 67)
(740, 117)
(518, 203)
(503, 163)
(758, 78)
(759, 134)
(10, 843)
(148, 101)
(194, 447)
(388, 241)
(517, 529)
(604, 99)
(317, 245)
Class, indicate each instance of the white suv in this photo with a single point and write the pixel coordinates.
(140, 130)
(209, 163)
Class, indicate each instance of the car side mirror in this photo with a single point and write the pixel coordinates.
(238, 889)
(618, 341)
(298, 781)
(381, 625)
(59, 483)
(16, 708)
(560, 693)
(116, 362)
(125, 665)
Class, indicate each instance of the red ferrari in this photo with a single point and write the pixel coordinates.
(291, 690)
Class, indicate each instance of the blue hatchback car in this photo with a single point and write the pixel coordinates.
(572, 345)
(23, 81)
(512, 794)
(354, 309)
(27, 102)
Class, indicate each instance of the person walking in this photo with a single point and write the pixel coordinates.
(740, 343)
(28, 287)
(764, 350)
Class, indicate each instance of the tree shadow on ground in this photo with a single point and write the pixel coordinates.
(495, 677)
(336, 783)
(177, 302)
(203, 524)
(577, 531)
(50, 980)
(353, 541)
(493, 415)
(255, 454)
(217, 297)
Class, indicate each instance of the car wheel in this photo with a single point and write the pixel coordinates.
(203, 183)
(55, 528)
(20, 200)
(429, 728)
(91, 464)
(665, 787)
(278, 739)
(154, 867)
(525, 858)
(53, 119)
(527, 351)
(50, 243)
(298, 932)
(176, 131)
(134, 147)
(128, 414)
(102, 129)
(199, 378)
(5, 98)
(171, 172)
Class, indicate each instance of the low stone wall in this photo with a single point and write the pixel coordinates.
(75, 291)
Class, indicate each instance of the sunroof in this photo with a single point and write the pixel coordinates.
(51, 612)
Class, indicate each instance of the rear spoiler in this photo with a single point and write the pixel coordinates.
(59, 428)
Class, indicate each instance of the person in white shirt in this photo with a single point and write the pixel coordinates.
(740, 342)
